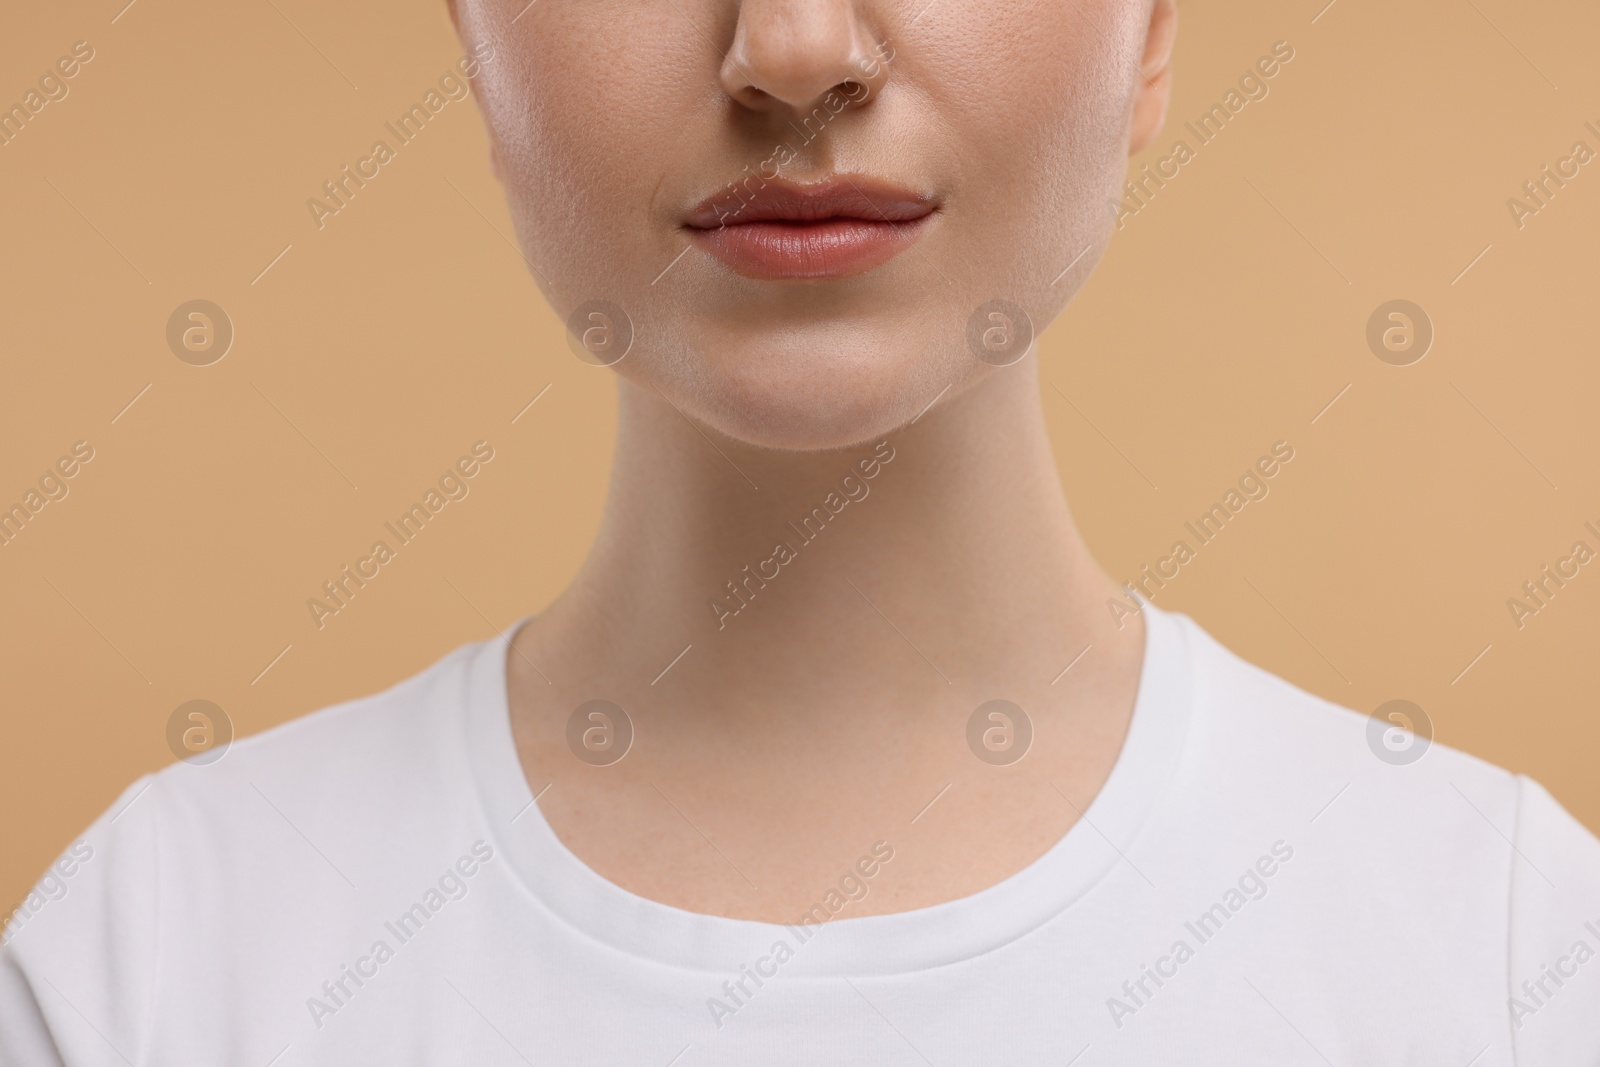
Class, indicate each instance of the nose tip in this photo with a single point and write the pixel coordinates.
(791, 53)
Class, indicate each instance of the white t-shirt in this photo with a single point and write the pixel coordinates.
(373, 884)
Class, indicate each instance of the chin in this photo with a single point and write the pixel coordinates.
(825, 388)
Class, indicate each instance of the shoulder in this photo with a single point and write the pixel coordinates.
(277, 844)
(1406, 850)
(1257, 723)
(343, 777)
(1381, 804)
(334, 774)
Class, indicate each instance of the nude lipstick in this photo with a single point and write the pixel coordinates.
(834, 228)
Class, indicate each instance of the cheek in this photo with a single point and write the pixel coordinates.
(583, 141)
(1028, 82)
(1036, 97)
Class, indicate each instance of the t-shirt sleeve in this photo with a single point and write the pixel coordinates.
(1554, 950)
(77, 963)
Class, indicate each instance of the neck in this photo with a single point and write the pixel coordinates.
(893, 589)
(939, 561)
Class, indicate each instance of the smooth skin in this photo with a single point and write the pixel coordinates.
(833, 709)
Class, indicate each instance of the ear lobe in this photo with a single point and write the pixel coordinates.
(1155, 76)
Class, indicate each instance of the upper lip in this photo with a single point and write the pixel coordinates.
(782, 200)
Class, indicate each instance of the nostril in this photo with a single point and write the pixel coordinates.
(857, 93)
(795, 54)
(752, 97)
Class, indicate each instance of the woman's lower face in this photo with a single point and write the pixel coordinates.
(801, 222)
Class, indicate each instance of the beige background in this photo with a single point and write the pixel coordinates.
(1227, 315)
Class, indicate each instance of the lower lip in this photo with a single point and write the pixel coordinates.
(829, 248)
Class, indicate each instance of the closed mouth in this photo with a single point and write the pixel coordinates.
(834, 228)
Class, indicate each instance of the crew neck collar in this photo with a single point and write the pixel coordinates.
(894, 943)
